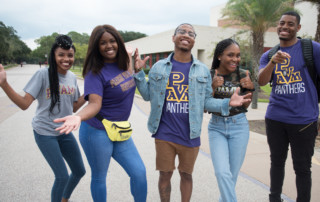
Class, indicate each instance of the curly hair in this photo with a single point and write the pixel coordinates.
(94, 60)
(65, 42)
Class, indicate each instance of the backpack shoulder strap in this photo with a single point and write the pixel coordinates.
(273, 51)
(270, 54)
(307, 50)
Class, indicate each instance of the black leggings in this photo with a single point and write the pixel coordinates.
(301, 138)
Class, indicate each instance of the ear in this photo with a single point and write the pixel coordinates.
(299, 27)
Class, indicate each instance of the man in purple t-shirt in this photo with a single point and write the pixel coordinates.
(292, 113)
(179, 90)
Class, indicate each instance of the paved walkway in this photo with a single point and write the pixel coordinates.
(25, 176)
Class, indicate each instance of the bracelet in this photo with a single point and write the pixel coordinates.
(273, 62)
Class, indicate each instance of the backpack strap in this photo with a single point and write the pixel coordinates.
(273, 51)
(270, 54)
(307, 50)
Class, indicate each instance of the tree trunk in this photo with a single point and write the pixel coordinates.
(257, 48)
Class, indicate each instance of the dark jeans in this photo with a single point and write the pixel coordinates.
(55, 149)
(301, 138)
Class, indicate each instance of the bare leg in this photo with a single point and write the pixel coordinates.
(185, 186)
(164, 186)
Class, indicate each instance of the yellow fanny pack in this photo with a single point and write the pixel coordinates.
(116, 130)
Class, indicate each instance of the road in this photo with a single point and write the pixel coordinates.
(25, 175)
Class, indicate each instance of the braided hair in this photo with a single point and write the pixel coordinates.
(221, 46)
(64, 42)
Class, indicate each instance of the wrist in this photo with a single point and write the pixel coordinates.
(272, 61)
(4, 84)
(136, 70)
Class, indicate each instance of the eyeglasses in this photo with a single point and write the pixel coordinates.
(182, 32)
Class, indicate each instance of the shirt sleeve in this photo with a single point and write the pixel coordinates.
(93, 84)
(264, 60)
(35, 84)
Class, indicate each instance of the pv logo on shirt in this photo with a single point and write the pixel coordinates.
(177, 91)
(286, 74)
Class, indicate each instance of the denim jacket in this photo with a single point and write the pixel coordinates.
(200, 93)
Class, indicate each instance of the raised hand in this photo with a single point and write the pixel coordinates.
(138, 63)
(246, 81)
(217, 80)
(238, 100)
(3, 75)
(129, 50)
(71, 123)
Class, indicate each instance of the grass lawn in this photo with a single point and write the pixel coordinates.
(77, 70)
(10, 65)
(266, 90)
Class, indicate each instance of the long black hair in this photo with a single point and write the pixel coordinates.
(65, 42)
(94, 60)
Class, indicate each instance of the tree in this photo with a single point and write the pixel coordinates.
(129, 36)
(4, 45)
(11, 47)
(317, 4)
(42, 51)
(257, 16)
(81, 52)
(79, 38)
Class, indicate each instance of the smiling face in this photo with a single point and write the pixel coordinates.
(64, 59)
(288, 27)
(229, 59)
(182, 39)
(108, 48)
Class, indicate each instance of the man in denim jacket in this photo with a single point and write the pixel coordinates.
(179, 90)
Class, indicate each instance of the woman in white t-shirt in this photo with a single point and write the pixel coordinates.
(58, 95)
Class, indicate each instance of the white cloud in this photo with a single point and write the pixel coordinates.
(30, 43)
(35, 18)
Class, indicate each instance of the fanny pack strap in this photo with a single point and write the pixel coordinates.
(99, 117)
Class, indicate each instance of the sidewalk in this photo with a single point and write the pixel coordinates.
(257, 162)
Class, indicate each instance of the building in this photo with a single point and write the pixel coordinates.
(160, 45)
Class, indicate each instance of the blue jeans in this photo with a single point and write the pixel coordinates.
(55, 150)
(228, 139)
(99, 149)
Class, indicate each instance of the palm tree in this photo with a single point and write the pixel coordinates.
(317, 4)
(258, 16)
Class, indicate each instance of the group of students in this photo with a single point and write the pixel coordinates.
(180, 88)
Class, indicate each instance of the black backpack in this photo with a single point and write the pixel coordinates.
(307, 50)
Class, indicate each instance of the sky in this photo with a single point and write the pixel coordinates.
(35, 18)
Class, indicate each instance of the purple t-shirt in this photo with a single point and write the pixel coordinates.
(293, 98)
(116, 87)
(174, 124)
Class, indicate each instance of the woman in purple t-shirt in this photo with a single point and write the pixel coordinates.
(109, 87)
